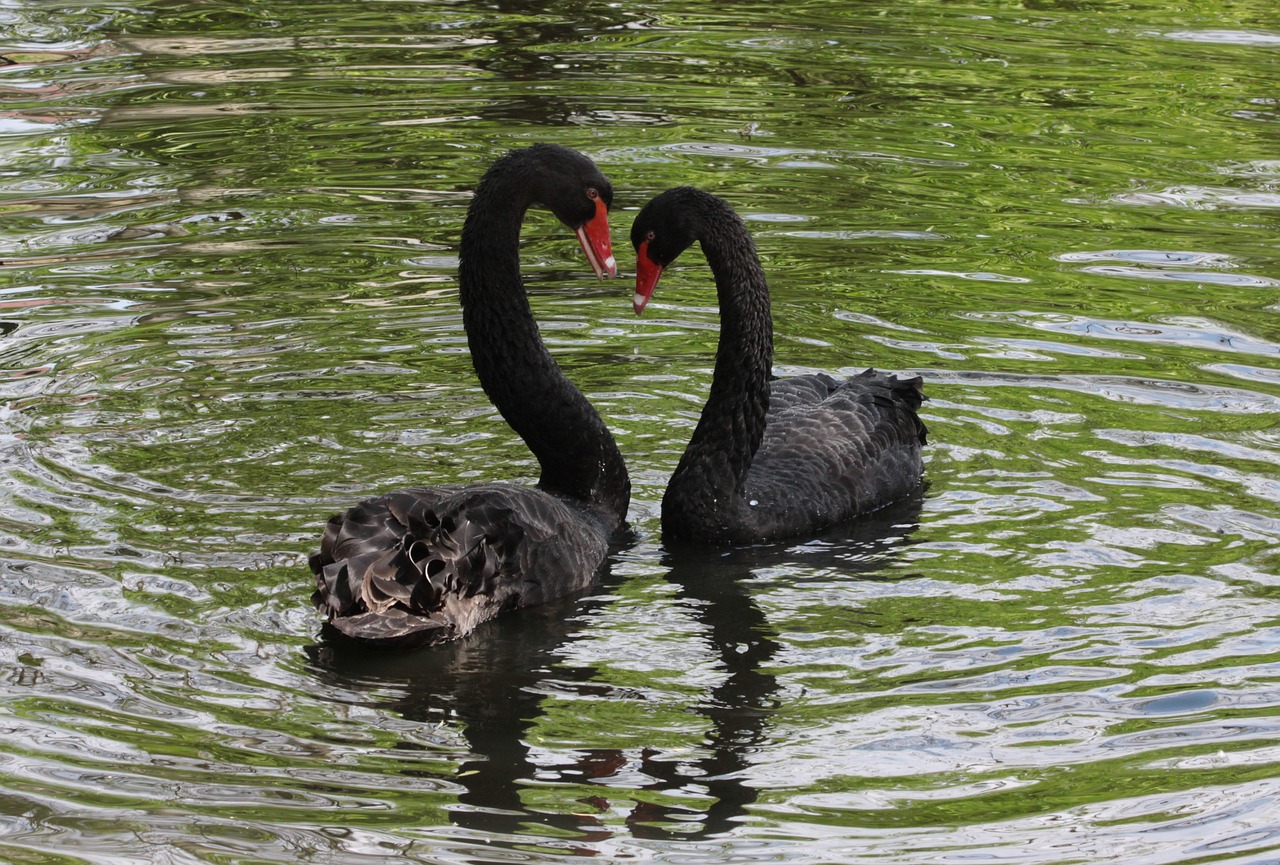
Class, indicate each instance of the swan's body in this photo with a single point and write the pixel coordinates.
(428, 564)
(770, 459)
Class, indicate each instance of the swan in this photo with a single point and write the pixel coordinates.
(770, 459)
(429, 564)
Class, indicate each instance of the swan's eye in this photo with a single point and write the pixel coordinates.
(592, 193)
(650, 236)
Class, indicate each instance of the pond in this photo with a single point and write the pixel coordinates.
(228, 310)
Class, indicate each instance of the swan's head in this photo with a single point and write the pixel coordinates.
(574, 189)
(664, 228)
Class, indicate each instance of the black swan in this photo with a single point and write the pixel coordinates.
(429, 564)
(770, 459)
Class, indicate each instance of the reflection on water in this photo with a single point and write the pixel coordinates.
(228, 309)
(493, 688)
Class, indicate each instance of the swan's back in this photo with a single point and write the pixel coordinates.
(428, 564)
(833, 450)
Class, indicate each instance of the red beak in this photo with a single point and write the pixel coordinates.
(594, 237)
(647, 274)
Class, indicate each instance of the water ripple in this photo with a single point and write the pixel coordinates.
(1173, 394)
(230, 240)
(1188, 330)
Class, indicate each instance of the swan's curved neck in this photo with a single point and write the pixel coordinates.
(575, 450)
(715, 464)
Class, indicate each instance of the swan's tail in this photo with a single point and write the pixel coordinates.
(893, 394)
(905, 392)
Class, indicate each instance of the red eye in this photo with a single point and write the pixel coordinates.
(592, 194)
(650, 236)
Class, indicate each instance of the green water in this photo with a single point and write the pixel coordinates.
(228, 310)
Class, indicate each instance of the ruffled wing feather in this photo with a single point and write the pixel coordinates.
(429, 564)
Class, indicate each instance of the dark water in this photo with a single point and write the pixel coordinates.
(228, 309)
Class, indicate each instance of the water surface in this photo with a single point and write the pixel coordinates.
(228, 309)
